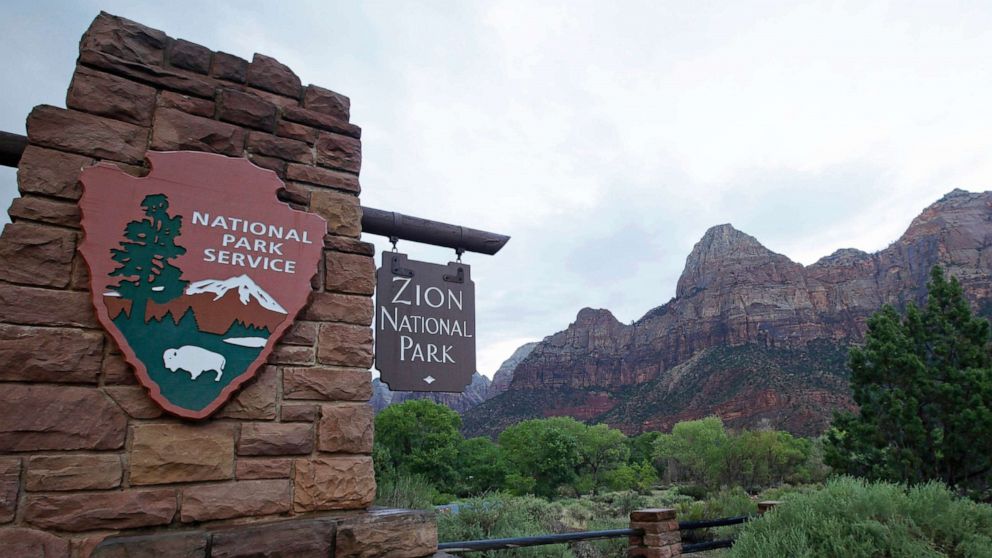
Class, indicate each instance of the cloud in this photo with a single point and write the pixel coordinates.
(605, 138)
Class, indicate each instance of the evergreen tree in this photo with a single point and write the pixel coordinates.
(143, 258)
(923, 384)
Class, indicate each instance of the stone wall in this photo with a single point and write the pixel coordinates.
(84, 452)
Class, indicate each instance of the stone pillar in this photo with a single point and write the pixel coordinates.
(84, 452)
(767, 506)
(661, 538)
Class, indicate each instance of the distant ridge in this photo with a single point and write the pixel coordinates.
(735, 293)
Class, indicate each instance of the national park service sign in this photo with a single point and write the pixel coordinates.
(196, 270)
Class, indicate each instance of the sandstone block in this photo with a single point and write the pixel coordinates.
(653, 514)
(309, 538)
(190, 56)
(349, 273)
(297, 132)
(269, 74)
(345, 428)
(323, 177)
(29, 543)
(341, 211)
(257, 400)
(300, 333)
(174, 79)
(292, 355)
(349, 245)
(125, 39)
(175, 130)
(115, 370)
(275, 439)
(344, 345)
(392, 533)
(135, 401)
(34, 306)
(80, 279)
(298, 413)
(321, 121)
(101, 510)
(331, 384)
(111, 96)
(10, 485)
(86, 134)
(189, 544)
(339, 152)
(275, 165)
(229, 67)
(185, 103)
(181, 452)
(73, 472)
(45, 210)
(246, 109)
(250, 498)
(51, 417)
(327, 102)
(296, 193)
(281, 148)
(50, 172)
(273, 468)
(36, 254)
(335, 307)
(333, 483)
(43, 354)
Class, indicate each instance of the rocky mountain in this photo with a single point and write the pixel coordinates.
(750, 334)
(504, 375)
(481, 388)
(475, 393)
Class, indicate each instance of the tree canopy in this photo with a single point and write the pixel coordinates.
(923, 385)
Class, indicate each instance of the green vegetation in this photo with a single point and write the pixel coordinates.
(851, 518)
(923, 383)
(421, 458)
(703, 453)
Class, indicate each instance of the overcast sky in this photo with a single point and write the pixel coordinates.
(604, 137)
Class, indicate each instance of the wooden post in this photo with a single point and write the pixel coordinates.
(661, 538)
(767, 506)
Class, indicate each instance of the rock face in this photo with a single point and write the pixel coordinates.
(735, 292)
(475, 393)
(480, 390)
(503, 376)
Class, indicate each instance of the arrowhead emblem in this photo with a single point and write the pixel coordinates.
(196, 271)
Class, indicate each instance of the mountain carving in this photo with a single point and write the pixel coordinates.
(741, 317)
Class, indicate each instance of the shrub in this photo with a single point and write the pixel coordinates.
(405, 491)
(854, 518)
(499, 516)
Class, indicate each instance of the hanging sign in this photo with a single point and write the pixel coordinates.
(425, 325)
(196, 270)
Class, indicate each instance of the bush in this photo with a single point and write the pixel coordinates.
(499, 516)
(853, 518)
(405, 491)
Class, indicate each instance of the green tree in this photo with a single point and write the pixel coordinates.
(419, 437)
(143, 258)
(481, 467)
(543, 450)
(923, 384)
(603, 449)
(695, 450)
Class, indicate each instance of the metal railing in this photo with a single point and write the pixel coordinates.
(562, 538)
(536, 540)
